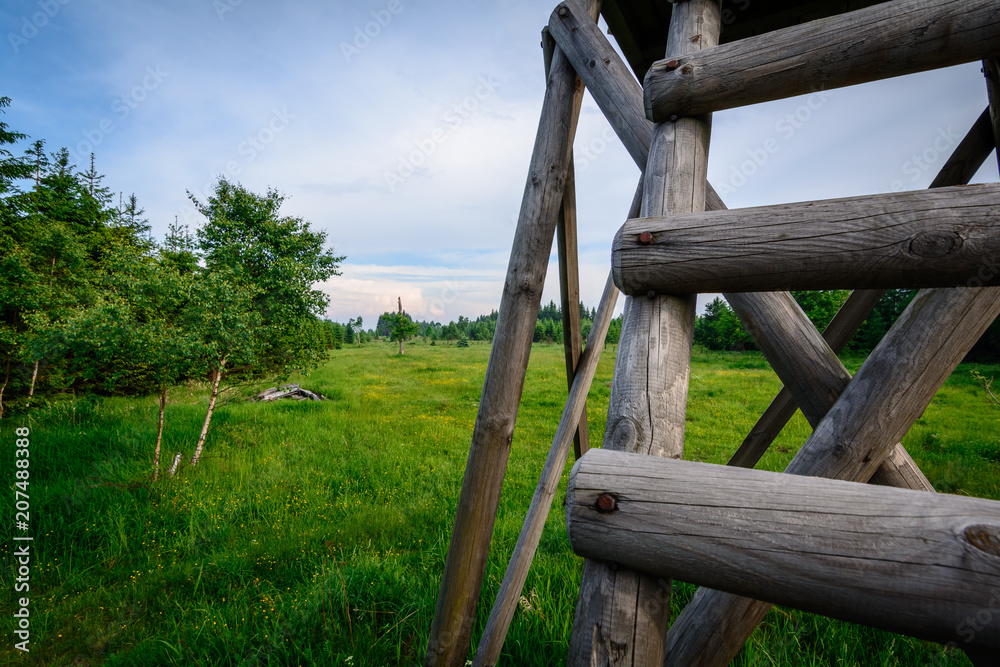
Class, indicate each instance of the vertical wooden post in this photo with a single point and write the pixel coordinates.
(991, 68)
(569, 292)
(569, 274)
(622, 616)
(451, 630)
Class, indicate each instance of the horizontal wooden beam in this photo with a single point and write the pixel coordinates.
(945, 237)
(886, 40)
(910, 562)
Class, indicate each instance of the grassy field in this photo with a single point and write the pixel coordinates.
(315, 533)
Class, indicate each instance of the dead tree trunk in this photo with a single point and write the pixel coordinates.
(399, 300)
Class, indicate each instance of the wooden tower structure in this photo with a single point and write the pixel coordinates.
(891, 554)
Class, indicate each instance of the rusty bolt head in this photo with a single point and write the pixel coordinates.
(606, 503)
(651, 293)
(672, 65)
(563, 11)
(645, 238)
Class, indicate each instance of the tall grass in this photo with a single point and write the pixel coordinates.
(315, 533)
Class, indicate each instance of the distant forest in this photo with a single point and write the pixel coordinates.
(718, 328)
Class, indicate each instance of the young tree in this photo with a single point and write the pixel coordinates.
(231, 331)
(266, 265)
(400, 324)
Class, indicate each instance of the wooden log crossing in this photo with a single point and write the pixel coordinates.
(534, 522)
(945, 237)
(959, 169)
(618, 95)
(810, 370)
(930, 562)
(886, 40)
(622, 616)
(841, 329)
(892, 388)
(451, 629)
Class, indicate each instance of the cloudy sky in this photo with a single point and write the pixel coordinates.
(404, 127)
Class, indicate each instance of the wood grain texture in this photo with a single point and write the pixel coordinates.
(960, 167)
(714, 625)
(879, 42)
(527, 542)
(605, 75)
(910, 562)
(897, 382)
(810, 369)
(889, 392)
(622, 616)
(838, 333)
(944, 237)
(492, 436)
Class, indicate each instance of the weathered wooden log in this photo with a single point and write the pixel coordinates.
(840, 330)
(451, 630)
(945, 237)
(810, 369)
(605, 75)
(889, 392)
(960, 167)
(886, 40)
(622, 616)
(915, 563)
(527, 542)
(714, 625)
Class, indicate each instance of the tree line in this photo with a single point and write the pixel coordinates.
(548, 326)
(91, 303)
(719, 328)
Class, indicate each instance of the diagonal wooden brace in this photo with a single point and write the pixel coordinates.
(619, 96)
(451, 630)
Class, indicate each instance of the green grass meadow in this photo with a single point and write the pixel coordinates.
(314, 533)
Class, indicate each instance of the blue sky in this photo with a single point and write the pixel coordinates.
(404, 127)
